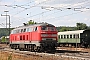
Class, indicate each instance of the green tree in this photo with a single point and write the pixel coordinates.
(3, 39)
(30, 22)
(81, 26)
(64, 29)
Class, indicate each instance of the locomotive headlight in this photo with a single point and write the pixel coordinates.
(53, 38)
(43, 39)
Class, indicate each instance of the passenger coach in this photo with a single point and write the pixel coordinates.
(36, 37)
(71, 38)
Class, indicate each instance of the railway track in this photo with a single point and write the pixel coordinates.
(78, 56)
(59, 53)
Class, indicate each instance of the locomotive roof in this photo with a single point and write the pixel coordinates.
(39, 24)
(71, 32)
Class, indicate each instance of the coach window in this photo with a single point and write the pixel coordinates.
(77, 35)
(70, 36)
(74, 36)
(61, 36)
(67, 36)
(64, 36)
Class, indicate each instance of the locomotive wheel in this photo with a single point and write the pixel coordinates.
(42, 49)
(38, 49)
(11, 47)
(35, 48)
(32, 48)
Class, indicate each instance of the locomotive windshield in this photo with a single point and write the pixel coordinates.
(44, 28)
(48, 28)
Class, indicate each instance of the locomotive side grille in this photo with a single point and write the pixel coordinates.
(46, 35)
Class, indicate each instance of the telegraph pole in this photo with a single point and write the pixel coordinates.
(6, 23)
(6, 18)
(9, 21)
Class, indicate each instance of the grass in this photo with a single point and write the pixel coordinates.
(13, 56)
(10, 57)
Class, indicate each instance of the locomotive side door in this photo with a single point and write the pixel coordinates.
(34, 34)
(30, 33)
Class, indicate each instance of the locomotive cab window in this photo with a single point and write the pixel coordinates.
(51, 28)
(44, 28)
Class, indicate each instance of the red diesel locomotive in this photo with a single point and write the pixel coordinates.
(35, 37)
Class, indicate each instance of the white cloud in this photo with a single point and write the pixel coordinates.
(51, 17)
(86, 13)
(21, 0)
(39, 1)
(63, 3)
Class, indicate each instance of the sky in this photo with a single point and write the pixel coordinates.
(56, 12)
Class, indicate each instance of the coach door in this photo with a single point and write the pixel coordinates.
(81, 37)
